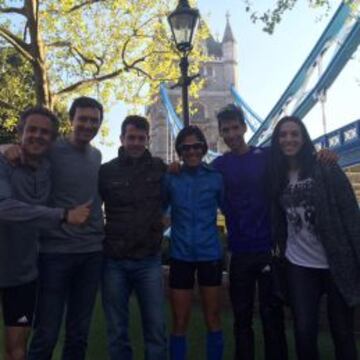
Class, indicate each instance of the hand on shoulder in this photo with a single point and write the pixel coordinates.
(12, 153)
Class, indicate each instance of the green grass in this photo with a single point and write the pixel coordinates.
(196, 337)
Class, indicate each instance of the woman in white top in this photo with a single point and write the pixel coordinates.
(316, 227)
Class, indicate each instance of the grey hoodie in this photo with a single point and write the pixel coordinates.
(23, 193)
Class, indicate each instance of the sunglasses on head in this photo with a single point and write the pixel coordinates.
(195, 146)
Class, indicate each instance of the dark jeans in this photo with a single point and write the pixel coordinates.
(248, 271)
(145, 278)
(306, 286)
(71, 281)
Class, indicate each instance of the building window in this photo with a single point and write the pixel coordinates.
(210, 71)
(199, 115)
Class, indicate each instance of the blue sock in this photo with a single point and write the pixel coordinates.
(177, 347)
(214, 345)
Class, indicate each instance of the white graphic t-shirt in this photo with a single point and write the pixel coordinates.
(303, 246)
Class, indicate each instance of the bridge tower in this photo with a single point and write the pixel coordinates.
(219, 72)
(229, 51)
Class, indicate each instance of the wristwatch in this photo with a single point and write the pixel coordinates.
(64, 217)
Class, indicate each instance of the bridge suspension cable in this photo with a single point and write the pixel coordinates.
(343, 32)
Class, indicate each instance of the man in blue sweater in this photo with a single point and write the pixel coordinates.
(24, 190)
(247, 214)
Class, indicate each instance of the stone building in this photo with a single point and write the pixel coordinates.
(220, 73)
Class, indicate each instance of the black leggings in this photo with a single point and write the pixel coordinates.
(306, 286)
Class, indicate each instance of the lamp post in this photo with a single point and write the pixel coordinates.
(183, 22)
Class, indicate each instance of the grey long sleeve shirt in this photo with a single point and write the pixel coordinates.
(23, 193)
(74, 182)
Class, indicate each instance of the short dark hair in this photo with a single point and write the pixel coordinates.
(38, 110)
(230, 112)
(140, 122)
(85, 102)
(187, 131)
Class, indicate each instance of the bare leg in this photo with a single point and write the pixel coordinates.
(211, 303)
(181, 301)
(16, 339)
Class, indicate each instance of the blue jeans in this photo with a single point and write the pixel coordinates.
(71, 281)
(306, 287)
(145, 277)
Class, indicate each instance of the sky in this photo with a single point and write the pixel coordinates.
(267, 64)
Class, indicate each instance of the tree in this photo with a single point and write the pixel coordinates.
(16, 88)
(113, 49)
(17, 92)
(272, 16)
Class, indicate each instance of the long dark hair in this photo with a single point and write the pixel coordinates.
(279, 165)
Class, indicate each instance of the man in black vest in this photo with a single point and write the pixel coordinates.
(130, 186)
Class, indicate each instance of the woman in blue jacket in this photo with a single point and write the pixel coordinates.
(316, 225)
(194, 195)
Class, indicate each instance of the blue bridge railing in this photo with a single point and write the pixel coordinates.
(344, 141)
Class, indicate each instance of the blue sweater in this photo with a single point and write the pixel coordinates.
(246, 205)
(194, 197)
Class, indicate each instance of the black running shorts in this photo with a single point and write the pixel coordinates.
(182, 273)
(18, 304)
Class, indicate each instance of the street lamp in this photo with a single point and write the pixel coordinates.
(183, 22)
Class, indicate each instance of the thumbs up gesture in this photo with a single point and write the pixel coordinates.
(79, 214)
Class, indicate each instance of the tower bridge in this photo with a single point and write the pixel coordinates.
(338, 42)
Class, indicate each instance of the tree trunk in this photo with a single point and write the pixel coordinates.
(42, 89)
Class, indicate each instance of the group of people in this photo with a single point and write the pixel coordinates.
(282, 205)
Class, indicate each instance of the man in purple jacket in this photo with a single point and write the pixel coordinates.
(247, 214)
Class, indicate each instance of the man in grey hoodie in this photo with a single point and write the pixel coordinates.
(70, 259)
(24, 191)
